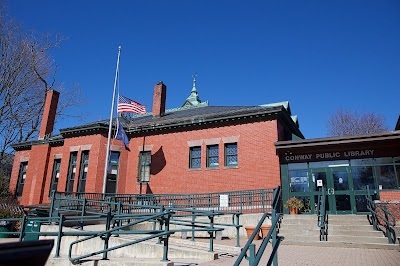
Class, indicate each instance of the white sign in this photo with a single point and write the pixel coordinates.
(224, 200)
(319, 183)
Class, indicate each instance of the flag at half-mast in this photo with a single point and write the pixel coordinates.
(127, 105)
(121, 135)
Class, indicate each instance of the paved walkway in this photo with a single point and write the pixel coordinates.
(303, 255)
(289, 255)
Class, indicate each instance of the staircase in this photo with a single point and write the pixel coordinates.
(343, 231)
(148, 253)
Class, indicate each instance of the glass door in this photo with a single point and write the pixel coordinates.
(319, 178)
(341, 190)
(338, 187)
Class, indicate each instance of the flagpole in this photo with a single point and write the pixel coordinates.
(110, 125)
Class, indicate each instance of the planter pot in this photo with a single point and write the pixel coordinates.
(250, 230)
(264, 230)
(293, 211)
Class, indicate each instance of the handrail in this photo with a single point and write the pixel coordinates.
(255, 257)
(322, 216)
(246, 201)
(106, 235)
(375, 216)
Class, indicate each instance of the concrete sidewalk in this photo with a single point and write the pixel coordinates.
(301, 255)
(306, 255)
(310, 255)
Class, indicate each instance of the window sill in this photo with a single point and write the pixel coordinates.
(194, 169)
(231, 167)
(212, 168)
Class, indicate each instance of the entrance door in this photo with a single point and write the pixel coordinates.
(341, 190)
(336, 182)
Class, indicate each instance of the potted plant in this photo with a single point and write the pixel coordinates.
(294, 205)
(249, 231)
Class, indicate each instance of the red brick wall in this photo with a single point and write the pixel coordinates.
(18, 157)
(389, 195)
(49, 113)
(159, 99)
(391, 201)
(258, 166)
(41, 161)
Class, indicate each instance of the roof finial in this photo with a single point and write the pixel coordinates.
(194, 81)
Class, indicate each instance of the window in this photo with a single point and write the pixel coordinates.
(21, 178)
(71, 172)
(363, 177)
(231, 154)
(212, 156)
(55, 176)
(144, 167)
(299, 180)
(112, 172)
(386, 176)
(83, 171)
(195, 157)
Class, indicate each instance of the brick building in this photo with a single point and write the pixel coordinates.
(191, 149)
(201, 148)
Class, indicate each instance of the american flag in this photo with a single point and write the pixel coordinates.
(128, 105)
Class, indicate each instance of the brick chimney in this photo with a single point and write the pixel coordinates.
(160, 93)
(49, 113)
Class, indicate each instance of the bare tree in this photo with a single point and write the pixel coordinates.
(27, 72)
(346, 122)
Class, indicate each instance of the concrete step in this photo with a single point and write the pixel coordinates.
(176, 249)
(301, 238)
(203, 245)
(350, 228)
(372, 233)
(347, 230)
(347, 217)
(357, 239)
(198, 245)
(313, 226)
(294, 231)
(348, 222)
(295, 219)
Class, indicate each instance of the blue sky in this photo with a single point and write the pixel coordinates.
(318, 55)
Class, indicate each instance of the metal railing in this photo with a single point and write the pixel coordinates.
(117, 223)
(387, 220)
(163, 217)
(254, 257)
(245, 201)
(322, 216)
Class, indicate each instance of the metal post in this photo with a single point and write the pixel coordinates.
(53, 193)
(193, 221)
(252, 254)
(274, 240)
(59, 235)
(389, 235)
(211, 233)
(107, 236)
(22, 232)
(161, 224)
(166, 238)
(237, 230)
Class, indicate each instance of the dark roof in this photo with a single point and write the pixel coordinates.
(182, 116)
(397, 124)
(302, 143)
(176, 118)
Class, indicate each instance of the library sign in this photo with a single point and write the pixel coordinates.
(322, 156)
